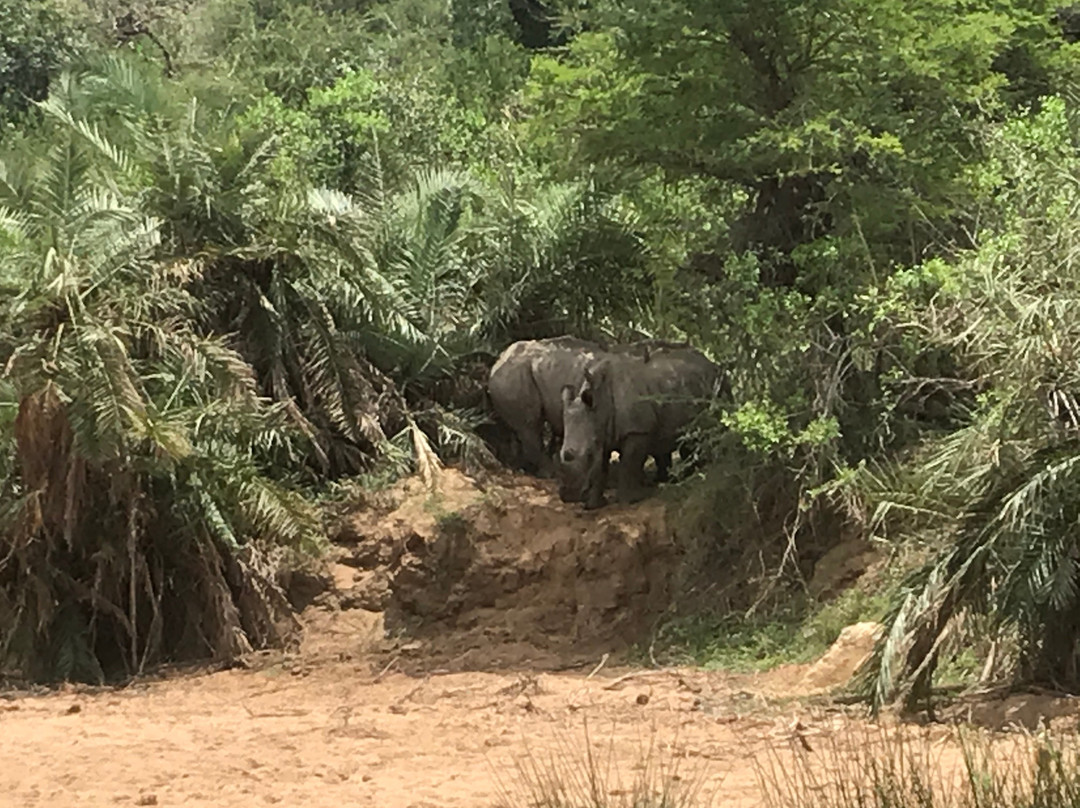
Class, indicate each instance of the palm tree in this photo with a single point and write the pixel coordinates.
(139, 522)
(564, 257)
(187, 340)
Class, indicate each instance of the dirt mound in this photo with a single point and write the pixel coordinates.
(501, 572)
(844, 657)
(841, 567)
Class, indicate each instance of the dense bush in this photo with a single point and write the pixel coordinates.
(249, 247)
(36, 40)
(1001, 490)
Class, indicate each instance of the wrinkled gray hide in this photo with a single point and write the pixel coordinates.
(525, 386)
(636, 403)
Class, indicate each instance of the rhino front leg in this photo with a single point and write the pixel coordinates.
(594, 492)
(632, 456)
(551, 455)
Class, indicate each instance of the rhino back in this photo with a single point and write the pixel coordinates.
(510, 385)
(641, 386)
(517, 353)
(553, 369)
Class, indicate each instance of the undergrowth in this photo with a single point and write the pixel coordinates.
(799, 632)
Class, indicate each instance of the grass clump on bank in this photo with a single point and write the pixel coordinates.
(578, 773)
(799, 633)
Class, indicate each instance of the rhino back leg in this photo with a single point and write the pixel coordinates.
(632, 454)
(663, 466)
(517, 402)
(533, 452)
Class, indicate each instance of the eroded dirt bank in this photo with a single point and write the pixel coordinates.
(501, 573)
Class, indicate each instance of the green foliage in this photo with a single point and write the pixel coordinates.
(570, 98)
(764, 428)
(330, 140)
(140, 450)
(298, 142)
(282, 48)
(36, 40)
(802, 632)
(1000, 491)
(290, 261)
(197, 329)
(822, 179)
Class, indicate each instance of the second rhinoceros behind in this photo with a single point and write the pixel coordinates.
(636, 403)
(524, 388)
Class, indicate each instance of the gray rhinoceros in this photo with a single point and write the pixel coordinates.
(525, 386)
(636, 403)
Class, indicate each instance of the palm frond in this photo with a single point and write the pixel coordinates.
(140, 468)
(56, 107)
(1008, 482)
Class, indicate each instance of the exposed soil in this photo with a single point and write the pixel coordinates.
(502, 573)
(465, 639)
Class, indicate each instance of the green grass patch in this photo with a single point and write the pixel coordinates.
(799, 633)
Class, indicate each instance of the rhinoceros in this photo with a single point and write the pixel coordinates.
(636, 403)
(524, 389)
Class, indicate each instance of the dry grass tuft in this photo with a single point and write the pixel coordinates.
(578, 772)
(902, 767)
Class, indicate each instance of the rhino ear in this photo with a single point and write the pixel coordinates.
(587, 395)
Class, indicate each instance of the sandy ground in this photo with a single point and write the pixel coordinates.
(316, 731)
(339, 735)
(325, 727)
(472, 713)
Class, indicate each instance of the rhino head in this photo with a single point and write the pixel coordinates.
(583, 459)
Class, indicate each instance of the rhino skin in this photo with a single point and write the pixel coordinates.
(645, 348)
(636, 403)
(524, 389)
